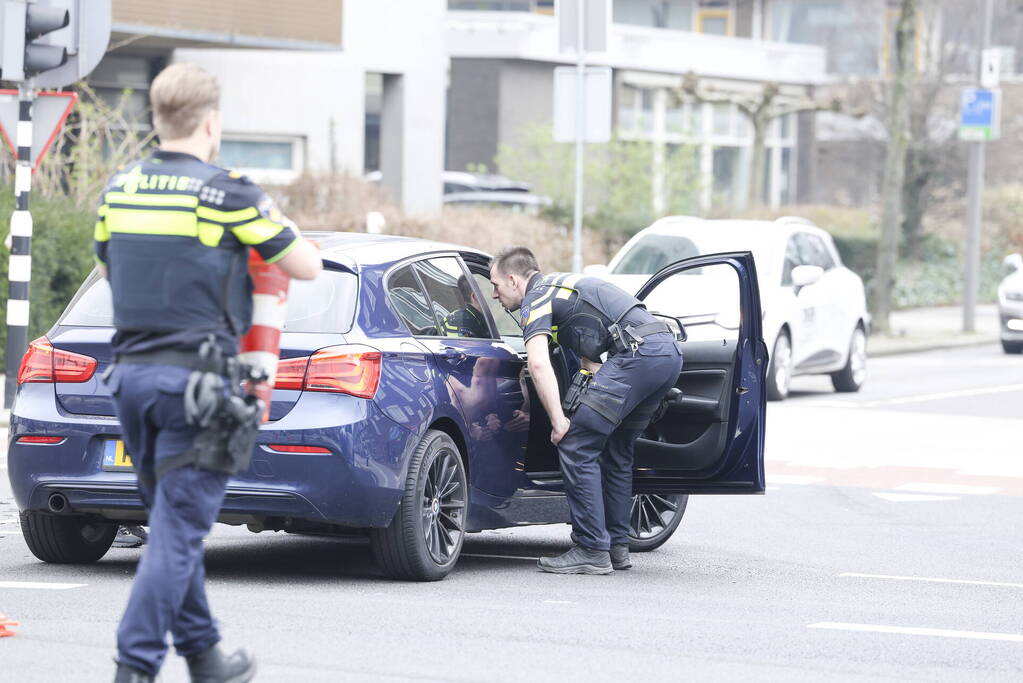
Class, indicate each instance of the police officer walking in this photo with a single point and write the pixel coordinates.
(591, 317)
(172, 238)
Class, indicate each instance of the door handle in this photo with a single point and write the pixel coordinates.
(452, 355)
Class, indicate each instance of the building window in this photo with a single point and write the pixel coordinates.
(636, 110)
(851, 31)
(715, 17)
(265, 158)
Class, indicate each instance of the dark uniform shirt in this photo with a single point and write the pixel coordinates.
(576, 310)
(175, 196)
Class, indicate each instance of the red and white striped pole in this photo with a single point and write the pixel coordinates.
(261, 345)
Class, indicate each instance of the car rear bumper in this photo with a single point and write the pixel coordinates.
(358, 484)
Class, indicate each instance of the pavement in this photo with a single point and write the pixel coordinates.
(886, 549)
(928, 329)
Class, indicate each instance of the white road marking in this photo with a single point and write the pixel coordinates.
(500, 557)
(912, 497)
(914, 631)
(40, 585)
(928, 579)
(792, 479)
(948, 488)
(919, 398)
(10, 532)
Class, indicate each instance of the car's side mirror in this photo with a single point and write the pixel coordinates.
(595, 269)
(803, 276)
(1013, 261)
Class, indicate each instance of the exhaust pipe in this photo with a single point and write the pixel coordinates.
(57, 502)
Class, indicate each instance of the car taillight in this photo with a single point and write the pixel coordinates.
(291, 373)
(43, 363)
(345, 370)
(353, 370)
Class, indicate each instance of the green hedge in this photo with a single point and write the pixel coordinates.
(61, 258)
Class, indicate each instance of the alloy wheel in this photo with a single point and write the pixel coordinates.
(652, 515)
(443, 510)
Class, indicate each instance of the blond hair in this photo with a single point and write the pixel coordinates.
(181, 95)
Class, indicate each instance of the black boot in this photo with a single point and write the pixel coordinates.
(578, 560)
(620, 557)
(129, 674)
(213, 666)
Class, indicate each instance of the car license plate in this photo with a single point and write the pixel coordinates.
(115, 458)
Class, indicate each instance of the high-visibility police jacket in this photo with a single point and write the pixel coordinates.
(174, 234)
(576, 311)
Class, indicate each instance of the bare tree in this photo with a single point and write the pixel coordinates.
(760, 107)
(898, 100)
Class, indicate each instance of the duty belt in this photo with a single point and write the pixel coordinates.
(629, 338)
(182, 359)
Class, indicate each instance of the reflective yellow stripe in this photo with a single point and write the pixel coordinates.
(257, 231)
(564, 292)
(547, 296)
(102, 210)
(218, 216)
(142, 222)
(571, 280)
(540, 312)
(186, 200)
(101, 233)
(210, 234)
(284, 252)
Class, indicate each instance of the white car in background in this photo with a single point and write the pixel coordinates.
(1010, 305)
(815, 311)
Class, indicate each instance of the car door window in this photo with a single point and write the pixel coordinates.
(454, 300)
(410, 303)
(792, 259)
(507, 325)
(813, 251)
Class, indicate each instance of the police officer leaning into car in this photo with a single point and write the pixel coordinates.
(172, 238)
(591, 317)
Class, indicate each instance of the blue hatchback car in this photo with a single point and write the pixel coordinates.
(402, 412)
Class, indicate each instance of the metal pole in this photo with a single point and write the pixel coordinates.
(580, 134)
(975, 197)
(19, 267)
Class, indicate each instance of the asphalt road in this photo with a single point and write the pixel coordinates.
(888, 547)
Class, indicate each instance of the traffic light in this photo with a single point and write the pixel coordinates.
(22, 53)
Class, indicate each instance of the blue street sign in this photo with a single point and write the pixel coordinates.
(980, 114)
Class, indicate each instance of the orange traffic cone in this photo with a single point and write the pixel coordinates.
(4, 623)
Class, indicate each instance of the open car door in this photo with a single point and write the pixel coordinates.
(711, 437)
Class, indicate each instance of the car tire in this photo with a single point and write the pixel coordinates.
(653, 519)
(424, 539)
(1012, 346)
(854, 374)
(66, 539)
(779, 368)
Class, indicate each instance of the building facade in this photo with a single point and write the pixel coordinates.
(503, 56)
(300, 81)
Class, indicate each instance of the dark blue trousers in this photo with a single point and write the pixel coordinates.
(168, 594)
(596, 454)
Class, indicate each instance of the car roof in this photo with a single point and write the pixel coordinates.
(364, 249)
(744, 228)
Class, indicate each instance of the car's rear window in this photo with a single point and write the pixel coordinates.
(326, 304)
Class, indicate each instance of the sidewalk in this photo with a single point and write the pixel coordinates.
(925, 329)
